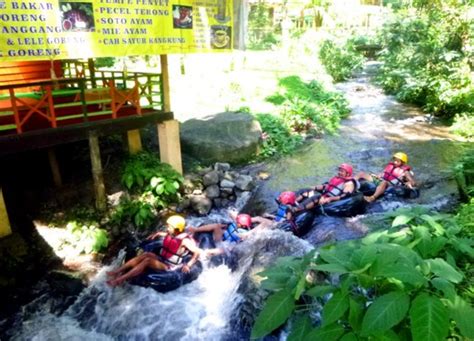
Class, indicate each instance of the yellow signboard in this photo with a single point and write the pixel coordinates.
(67, 29)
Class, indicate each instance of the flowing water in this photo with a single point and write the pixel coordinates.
(221, 304)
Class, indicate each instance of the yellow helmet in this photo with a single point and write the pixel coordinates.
(177, 222)
(401, 156)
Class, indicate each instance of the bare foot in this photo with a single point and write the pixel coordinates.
(112, 273)
(114, 282)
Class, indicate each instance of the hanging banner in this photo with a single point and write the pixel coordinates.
(70, 29)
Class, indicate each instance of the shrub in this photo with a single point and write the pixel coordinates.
(87, 238)
(428, 61)
(277, 139)
(413, 281)
(144, 173)
(138, 212)
(340, 60)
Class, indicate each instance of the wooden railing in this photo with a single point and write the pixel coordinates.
(58, 102)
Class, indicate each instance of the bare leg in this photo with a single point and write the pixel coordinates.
(130, 264)
(364, 176)
(138, 269)
(378, 192)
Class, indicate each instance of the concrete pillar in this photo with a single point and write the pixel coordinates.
(134, 141)
(5, 228)
(98, 176)
(170, 146)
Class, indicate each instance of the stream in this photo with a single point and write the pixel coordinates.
(222, 304)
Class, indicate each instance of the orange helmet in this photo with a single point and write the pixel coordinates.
(244, 220)
(347, 167)
(287, 198)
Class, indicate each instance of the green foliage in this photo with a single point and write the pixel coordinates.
(428, 60)
(277, 139)
(413, 281)
(308, 106)
(464, 125)
(261, 34)
(153, 184)
(304, 108)
(144, 173)
(340, 59)
(464, 175)
(104, 62)
(87, 238)
(138, 212)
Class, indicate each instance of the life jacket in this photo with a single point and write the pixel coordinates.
(335, 186)
(394, 175)
(232, 233)
(280, 214)
(171, 252)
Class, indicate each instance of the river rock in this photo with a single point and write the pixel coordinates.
(192, 182)
(231, 137)
(211, 178)
(212, 191)
(221, 166)
(244, 182)
(201, 204)
(227, 184)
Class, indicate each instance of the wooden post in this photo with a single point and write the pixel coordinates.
(91, 66)
(165, 77)
(99, 187)
(5, 228)
(53, 164)
(170, 146)
(134, 141)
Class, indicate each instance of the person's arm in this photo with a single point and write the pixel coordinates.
(319, 188)
(156, 235)
(410, 180)
(195, 250)
(205, 228)
(259, 220)
(346, 191)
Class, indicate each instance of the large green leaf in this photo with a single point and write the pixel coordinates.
(402, 220)
(463, 313)
(363, 257)
(335, 308)
(349, 337)
(320, 290)
(329, 333)
(439, 229)
(330, 268)
(429, 318)
(338, 255)
(464, 245)
(276, 277)
(385, 312)
(402, 272)
(356, 311)
(442, 269)
(276, 311)
(445, 286)
(300, 329)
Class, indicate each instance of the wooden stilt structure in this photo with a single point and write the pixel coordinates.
(5, 228)
(96, 163)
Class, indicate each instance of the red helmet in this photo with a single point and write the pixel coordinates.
(347, 167)
(287, 198)
(244, 220)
